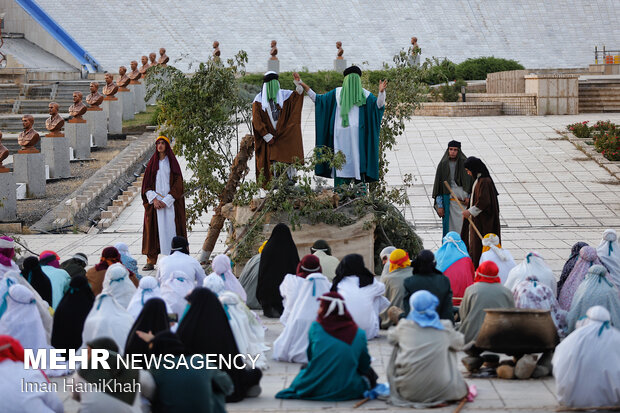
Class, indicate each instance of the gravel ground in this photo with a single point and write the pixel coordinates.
(31, 210)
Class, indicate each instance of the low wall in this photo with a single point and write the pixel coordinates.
(557, 94)
(459, 109)
(512, 103)
(511, 81)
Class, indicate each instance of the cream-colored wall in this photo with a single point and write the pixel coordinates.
(557, 94)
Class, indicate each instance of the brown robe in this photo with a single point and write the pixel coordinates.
(95, 279)
(487, 221)
(286, 144)
(150, 236)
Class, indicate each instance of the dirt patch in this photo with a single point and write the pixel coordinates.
(31, 210)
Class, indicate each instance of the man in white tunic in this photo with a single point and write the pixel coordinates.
(180, 260)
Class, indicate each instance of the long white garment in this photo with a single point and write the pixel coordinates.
(328, 264)
(179, 261)
(215, 283)
(117, 284)
(292, 343)
(500, 256)
(107, 318)
(365, 304)
(586, 364)
(609, 253)
(289, 288)
(165, 216)
(42, 306)
(5, 268)
(22, 321)
(147, 289)
(221, 266)
(249, 334)
(15, 400)
(175, 289)
(533, 264)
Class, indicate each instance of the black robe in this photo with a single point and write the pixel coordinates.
(71, 314)
(153, 318)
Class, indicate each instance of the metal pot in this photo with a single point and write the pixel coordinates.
(517, 331)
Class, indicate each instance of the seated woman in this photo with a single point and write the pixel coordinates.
(117, 284)
(533, 294)
(338, 361)
(570, 264)
(292, 343)
(423, 370)
(609, 253)
(394, 281)
(362, 293)
(152, 318)
(492, 251)
(221, 267)
(71, 314)
(175, 289)
(249, 278)
(147, 289)
(533, 264)
(22, 321)
(204, 329)
(596, 289)
(586, 365)
(291, 284)
(454, 262)
(50, 264)
(126, 259)
(587, 258)
(107, 318)
(486, 292)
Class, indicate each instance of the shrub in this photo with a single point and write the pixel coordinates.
(580, 130)
(477, 69)
(609, 146)
(439, 72)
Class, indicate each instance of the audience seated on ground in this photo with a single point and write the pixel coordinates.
(222, 268)
(586, 365)
(147, 289)
(71, 314)
(292, 283)
(587, 258)
(107, 318)
(75, 265)
(323, 251)
(570, 264)
(338, 361)
(96, 274)
(454, 262)
(362, 293)
(117, 284)
(394, 281)
(423, 370)
(22, 321)
(533, 264)
(596, 289)
(175, 289)
(609, 253)
(249, 278)
(492, 250)
(292, 343)
(486, 292)
(180, 260)
(533, 294)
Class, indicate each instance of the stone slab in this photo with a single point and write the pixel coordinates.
(114, 111)
(126, 98)
(97, 127)
(340, 65)
(79, 139)
(273, 66)
(8, 198)
(140, 92)
(56, 152)
(29, 168)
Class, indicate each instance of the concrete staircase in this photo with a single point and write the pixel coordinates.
(599, 95)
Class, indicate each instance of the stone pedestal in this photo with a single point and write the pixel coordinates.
(29, 168)
(125, 95)
(340, 65)
(114, 112)
(273, 65)
(139, 93)
(97, 126)
(8, 198)
(557, 94)
(77, 134)
(55, 148)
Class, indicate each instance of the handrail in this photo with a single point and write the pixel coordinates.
(57, 32)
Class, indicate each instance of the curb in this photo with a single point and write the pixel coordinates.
(613, 167)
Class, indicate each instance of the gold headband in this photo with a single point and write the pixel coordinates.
(164, 138)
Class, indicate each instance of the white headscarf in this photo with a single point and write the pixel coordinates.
(533, 264)
(215, 283)
(221, 266)
(117, 284)
(175, 289)
(107, 318)
(500, 256)
(122, 248)
(609, 253)
(147, 289)
(21, 320)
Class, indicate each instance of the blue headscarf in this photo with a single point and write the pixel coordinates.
(452, 250)
(423, 304)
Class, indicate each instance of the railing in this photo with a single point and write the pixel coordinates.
(606, 56)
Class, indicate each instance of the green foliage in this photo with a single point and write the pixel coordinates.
(477, 69)
(438, 71)
(449, 92)
(580, 129)
(606, 136)
(202, 112)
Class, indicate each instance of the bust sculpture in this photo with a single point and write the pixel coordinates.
(163, 59)
(55, 122)
(110, 87)
(4, 153)
(414, 43)
(274, 50)
(153, 59)
(29, 137)
(145, 65)
(95, 98)
(122, 80)
(340, 51)
(135, 73)
(78, 108)
(216, 49)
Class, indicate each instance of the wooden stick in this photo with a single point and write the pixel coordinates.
(583, 409)
(461, 404)
(358, 404)
(471, 221)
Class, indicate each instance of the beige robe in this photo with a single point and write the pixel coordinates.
(328, 264)
(423, 369)
(477, 297)
(394, 291)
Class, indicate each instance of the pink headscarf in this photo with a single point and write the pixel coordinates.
(7, 250)
(44, 260)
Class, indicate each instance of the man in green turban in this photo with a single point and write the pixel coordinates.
(348, 120)
(276, 120)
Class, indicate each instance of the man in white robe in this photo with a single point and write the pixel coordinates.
(180, 260)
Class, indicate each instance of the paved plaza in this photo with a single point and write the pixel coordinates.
(551, 195)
